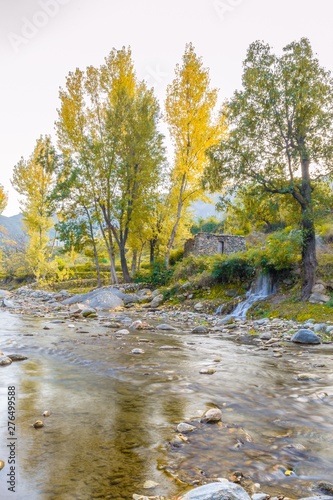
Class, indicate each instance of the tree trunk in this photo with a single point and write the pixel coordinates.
(123, 261)
(178, 217)
(309, 260)
(152, 245)
(134, 263)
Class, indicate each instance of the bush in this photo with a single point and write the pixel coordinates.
(176, 256)
(234, 270)
(158, 275)
(192, 265)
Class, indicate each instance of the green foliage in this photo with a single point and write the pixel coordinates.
(158, 275)
(176, 256)
(209, 225)
(282, 250)
(192, 265)
(235, 269)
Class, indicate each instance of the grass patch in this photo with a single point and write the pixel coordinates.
(293, 310)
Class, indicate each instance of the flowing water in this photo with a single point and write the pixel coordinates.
(114, 413)
(262, 288)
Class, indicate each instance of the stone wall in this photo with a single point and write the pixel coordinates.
(212, 244)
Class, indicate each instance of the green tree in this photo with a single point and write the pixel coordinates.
(108, 126)
(190, 107)
(281, 133)
(33, 179)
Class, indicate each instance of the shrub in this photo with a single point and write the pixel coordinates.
(176, 256)
(233, 270)
(158, 275)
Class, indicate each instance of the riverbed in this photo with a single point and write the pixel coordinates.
(113, 413)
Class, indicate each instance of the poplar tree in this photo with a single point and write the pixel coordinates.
(33, 179)
(189, 113)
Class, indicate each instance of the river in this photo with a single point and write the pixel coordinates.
(113, 413)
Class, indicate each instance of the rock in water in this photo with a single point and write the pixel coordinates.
(183, 427)
(217, 491)
(212, 415)
(200, 329)
(305, 337)
(38, 424)
(5, 361)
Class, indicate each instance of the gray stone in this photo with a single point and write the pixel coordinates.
(122, 332)
(166, 327)
(319, 288)
(261, 321)
(183, 427)
(157, 301)
(200, 329)
(199, 306)
(260, 496)
(212, 415)
(155, 293)
(5, 361)
(138, 351)
(88, 312)
(305, 337)
(17, 357)
(266, 336)
(224, 321)
(130, 299)
(107, 298)
(319, 298)
(9, 303)
(319, 327)
(217, 491)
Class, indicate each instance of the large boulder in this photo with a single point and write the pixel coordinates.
(319, 298)
(217, 491)
(304, 336)
(108, 298)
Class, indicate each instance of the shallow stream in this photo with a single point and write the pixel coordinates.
(113, 413)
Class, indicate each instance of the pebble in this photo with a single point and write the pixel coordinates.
(183, 427)
(212, 415)
(166, 327)
(122, 332)
(207, 371)
(149, 485)
(38, 424)
(5, 361)
(137, 351)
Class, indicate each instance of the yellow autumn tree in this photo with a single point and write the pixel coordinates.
(194, 127)
(33, 179)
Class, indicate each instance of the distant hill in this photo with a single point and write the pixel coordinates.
(11, 227)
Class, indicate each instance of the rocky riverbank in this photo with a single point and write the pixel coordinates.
(134, 310)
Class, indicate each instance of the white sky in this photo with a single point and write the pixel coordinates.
(42, 40)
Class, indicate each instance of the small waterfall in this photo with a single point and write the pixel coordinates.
(262, 288)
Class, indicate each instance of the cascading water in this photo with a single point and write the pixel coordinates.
(262, 288)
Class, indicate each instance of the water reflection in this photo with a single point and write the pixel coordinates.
(114, 413)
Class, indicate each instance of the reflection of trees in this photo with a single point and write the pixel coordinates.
(101, 436)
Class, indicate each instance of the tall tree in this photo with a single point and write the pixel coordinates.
(281, 133)
(33, 179)
(190, 107)
(108, 125)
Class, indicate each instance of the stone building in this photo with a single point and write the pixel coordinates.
(212, 244)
